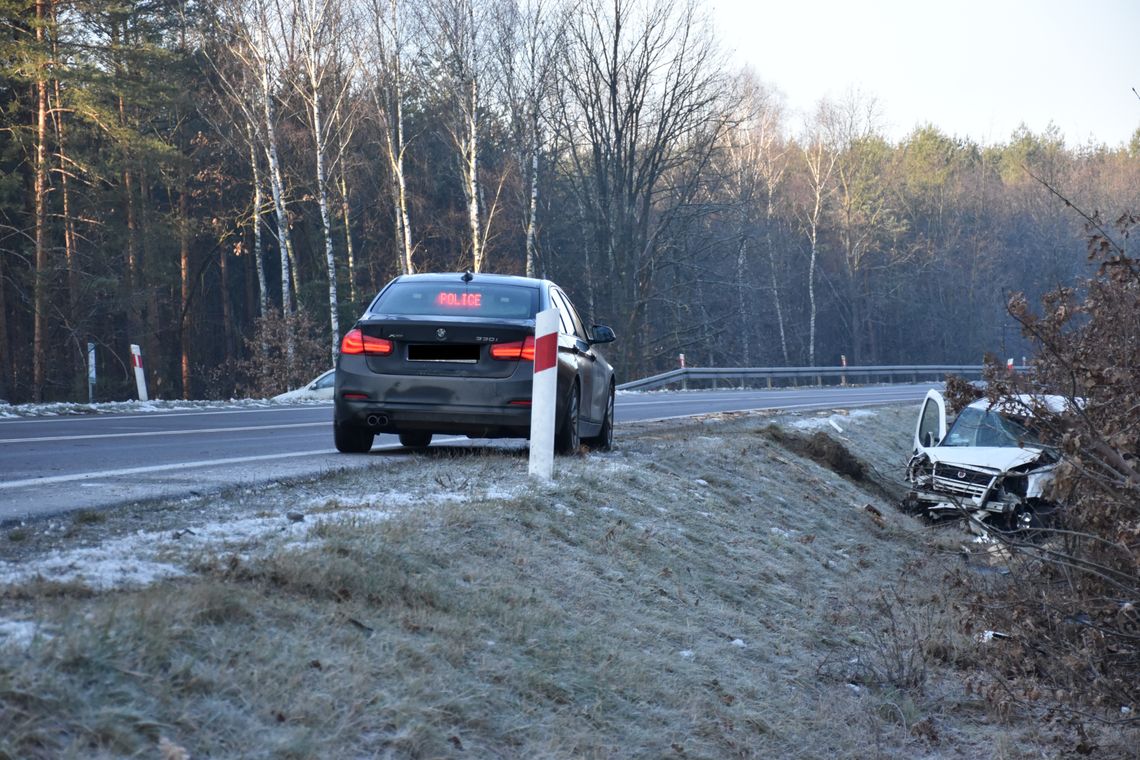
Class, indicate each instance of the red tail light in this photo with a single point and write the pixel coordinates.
(356, 342)
(521, 349)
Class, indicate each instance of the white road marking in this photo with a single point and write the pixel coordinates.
(159, 414)
(186, 466)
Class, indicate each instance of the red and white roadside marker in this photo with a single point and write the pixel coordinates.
(543, 394)
(140, 378)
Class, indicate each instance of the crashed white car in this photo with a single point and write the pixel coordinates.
(318, 389)
(989, 464)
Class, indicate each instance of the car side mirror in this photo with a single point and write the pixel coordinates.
(928, 439)
(602, 334)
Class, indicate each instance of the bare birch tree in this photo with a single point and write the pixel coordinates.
(644, 95)
(820, 154)
(251, 84)
(454, 30)
(530, 38)
(384, 56)
(320, 27)
(757, 162)
(865, 217)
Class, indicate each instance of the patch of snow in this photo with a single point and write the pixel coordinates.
(18, 634)
(101, 568)
(686, 653)
(701, 482)
(68, 408)
(831, 420)
(738, 643)
(146, 557)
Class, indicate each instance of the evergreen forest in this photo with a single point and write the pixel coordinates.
(228, 183)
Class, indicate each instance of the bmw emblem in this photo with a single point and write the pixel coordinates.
(441, 333)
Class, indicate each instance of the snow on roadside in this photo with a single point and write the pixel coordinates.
(835, 421)
(149, 556)
(70, 409)
(18, 634)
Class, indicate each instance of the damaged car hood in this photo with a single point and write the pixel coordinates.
(997, 458)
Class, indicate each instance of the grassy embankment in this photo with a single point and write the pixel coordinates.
(702, 591)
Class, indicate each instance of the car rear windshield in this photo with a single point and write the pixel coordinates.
(470, 299)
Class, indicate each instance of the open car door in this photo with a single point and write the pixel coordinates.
(931, 427)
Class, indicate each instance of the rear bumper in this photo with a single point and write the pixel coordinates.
(474, 406)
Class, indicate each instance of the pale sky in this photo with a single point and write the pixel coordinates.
(973, 68)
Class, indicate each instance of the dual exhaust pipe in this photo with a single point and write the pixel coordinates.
(376, 420)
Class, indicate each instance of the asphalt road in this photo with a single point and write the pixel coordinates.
(50, 465)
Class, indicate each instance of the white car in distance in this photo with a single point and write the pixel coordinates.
(319, 388)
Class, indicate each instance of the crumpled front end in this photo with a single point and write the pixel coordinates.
(939, 487)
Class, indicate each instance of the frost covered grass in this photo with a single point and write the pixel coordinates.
(702, 591)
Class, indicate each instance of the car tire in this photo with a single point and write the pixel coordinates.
(604, 440)
(566, 440)
(352, 440)
(415, 439)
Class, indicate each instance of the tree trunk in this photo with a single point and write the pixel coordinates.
(7, 382)
(811, 295)
(227, 309)
(79, 364)
(184, 283)
(151, 322)
(130, 281)
(775, 281)
(349, 253)
(326, 224)
(258, 260)
(277, 189)
(741, 279)
(40, 289)
(390, 106)
(532, 210)
(471, 177)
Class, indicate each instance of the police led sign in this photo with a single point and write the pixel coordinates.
(459, 300)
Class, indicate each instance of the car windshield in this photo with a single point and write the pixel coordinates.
(471, 299)
(986, 427)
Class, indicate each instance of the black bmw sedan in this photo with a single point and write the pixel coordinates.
(454, 353)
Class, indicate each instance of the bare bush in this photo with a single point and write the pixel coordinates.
(1073, 607)
(283, 353)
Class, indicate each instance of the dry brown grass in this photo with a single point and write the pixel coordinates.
(700, 592)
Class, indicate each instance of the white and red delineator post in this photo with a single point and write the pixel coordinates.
(140, 378)
(543, 394)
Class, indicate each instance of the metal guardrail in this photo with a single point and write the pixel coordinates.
(740, 376)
